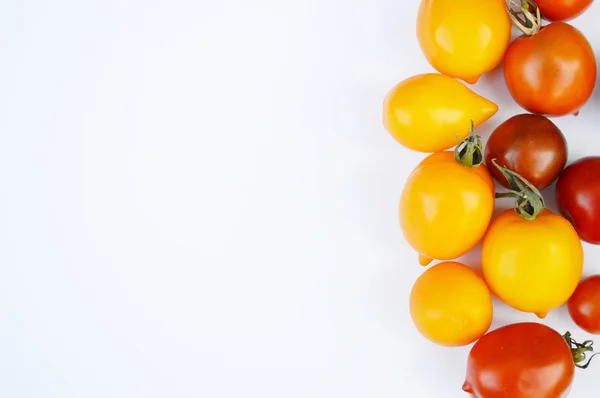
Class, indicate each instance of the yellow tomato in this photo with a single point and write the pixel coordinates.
(464, 38)
(533, 266)
(446, 207)
(428, 112)
(451, 305)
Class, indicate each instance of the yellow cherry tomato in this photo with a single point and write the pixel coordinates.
(464, 38)
(428, 112)
(532, 265)
(446, 207)
(451, 305)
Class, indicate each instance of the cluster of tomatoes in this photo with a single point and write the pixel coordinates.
(532, 258)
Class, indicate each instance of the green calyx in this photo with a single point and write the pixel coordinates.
(529, 200)
(580, 351)
(469, 152)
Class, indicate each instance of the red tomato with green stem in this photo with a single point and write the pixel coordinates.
(562, 10)
(549, 70)
(524, 360)
(578, 197)
(584, 305)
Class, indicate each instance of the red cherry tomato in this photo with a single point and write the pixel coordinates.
(530, 145)
(562, 10)
(551, 71)
(584, 305)
(523, 360)
(578, 197)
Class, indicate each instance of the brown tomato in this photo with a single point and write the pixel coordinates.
(530, 145)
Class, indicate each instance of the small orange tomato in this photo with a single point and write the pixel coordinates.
(533, 266)
(463, 38)
(532, 258)
(446, 206)
(428, 112)
(451, 305)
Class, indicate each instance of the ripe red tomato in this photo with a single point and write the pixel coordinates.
(530, 145)
(523, 360)
(552, 71)
(578, 197)
(562, 10)
(584, 305)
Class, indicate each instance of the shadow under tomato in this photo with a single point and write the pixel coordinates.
(549, 195)
(473, 259)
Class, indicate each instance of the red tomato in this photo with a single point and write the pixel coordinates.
(584, 305)
(562, 10)
(523, 360)
(551, 71)
(530, 145)
(578, 197)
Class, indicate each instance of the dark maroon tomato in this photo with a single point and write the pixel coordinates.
(530, 145)
(578, 197)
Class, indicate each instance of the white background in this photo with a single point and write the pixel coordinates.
(199, 200)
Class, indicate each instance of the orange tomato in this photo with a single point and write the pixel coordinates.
(532, 265)
(523, 360)
(451, 305)
(428, 112)
(446, 207)
(549, 70)
(463, 38)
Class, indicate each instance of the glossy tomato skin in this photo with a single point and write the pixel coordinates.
(533, 266)
(578, 197)
(530, 145)
(427, 112)
(553, 72)
(451, 305)
(584, 305)
(463, 38)
(445, 208)
(562, 10)
(522, 360)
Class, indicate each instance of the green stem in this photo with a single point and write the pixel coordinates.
(504, 195)
(469, 152)
(528, 199)
(580, 350)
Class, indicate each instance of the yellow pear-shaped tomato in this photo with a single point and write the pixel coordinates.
(428, 112)
(446, 207)
(451, 305)
(464, 38)
(532, 265)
